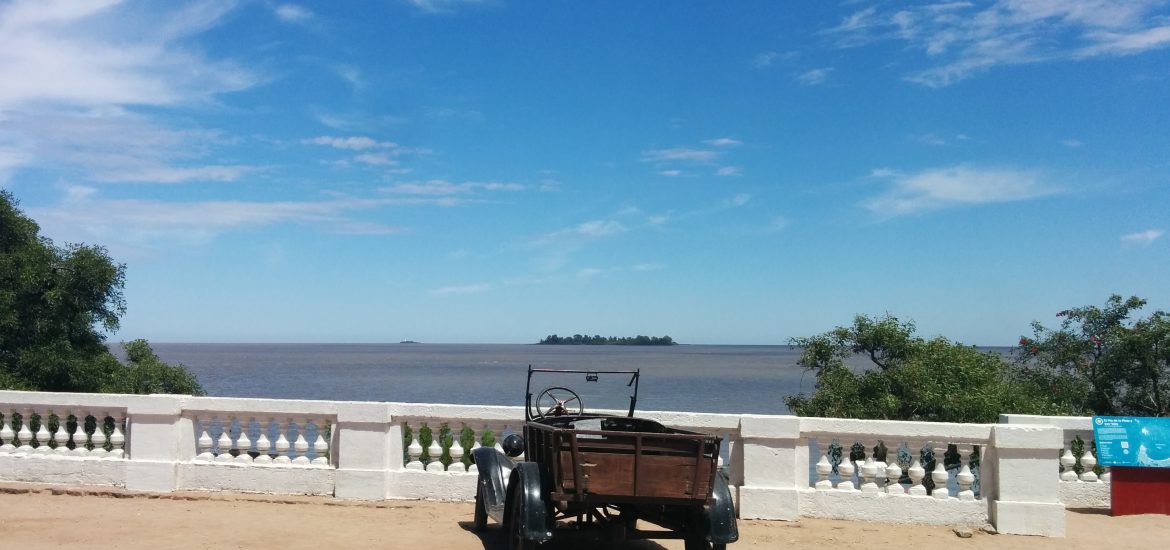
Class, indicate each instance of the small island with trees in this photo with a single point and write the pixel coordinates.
(597, 340)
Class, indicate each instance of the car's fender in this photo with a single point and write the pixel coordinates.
(721, 526)
(534, 518)
(495, 471)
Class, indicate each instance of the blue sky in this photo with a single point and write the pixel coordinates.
(498, 170)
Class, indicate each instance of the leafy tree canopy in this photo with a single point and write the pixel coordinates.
(913, 379)
(1101, 360)
(56, 306)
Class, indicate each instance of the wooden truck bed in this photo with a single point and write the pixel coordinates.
(626, 460)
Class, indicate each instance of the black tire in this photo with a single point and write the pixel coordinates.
(697, 543)
(480, 512)
(515, 541)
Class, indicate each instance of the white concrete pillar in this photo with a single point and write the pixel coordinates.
(1025, 496)
(365, 451)
(158, 439)
(775, 467)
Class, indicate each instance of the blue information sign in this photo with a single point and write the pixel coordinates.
(1132, 441)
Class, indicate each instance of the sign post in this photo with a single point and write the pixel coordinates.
(1137, 450)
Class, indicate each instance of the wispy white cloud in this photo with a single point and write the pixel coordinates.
(778, 224)
(684, 154)
(671, 173)
(1072, 143)
(1146, 237)
(292, 13)
(767, 59)
(729, 171)
(103, 53)
(961, 39)
(764, 59)
(460, 290)
(600, 228)
(648, 267)
(74, 70)
(353, 143)
(351, 75)
(814, 77)
(375, 159)
(447, 188)
(940, 188)
(739, 200)
(139, 226)
(723, 142)
(441, 6)
(176, 174)
(113, 145)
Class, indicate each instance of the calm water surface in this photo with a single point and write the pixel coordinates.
(730, 379)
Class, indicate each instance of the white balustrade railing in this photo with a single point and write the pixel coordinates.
(780, 467)
(262, 440)
(47, 431)
(1083, 482)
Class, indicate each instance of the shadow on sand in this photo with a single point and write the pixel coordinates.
(493, 539)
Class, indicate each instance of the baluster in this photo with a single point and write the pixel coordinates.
(940, 475)
(846, 468)
(916, 472)
(965, 478)
(414, 451)
(435, 451)
(321, 445)
(7, 435)
(80, 437)
(263, 446)
(869, 469)
(244, 443)
(824, 469)
(223, 451)
(456, 451)
(43, 436)
(25, 435)
(98, 438)
(1067, 463)
(60, 436)
(301, 445)
(282, 445)
(894, 470)
(1088, 462)
(880, 476)
(117, 438)
(204, 442)
(1107, 476)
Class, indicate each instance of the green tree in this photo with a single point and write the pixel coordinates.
(56, 306)
(1101, 361)
(912, 378)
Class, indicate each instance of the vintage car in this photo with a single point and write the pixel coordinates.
(582, 471)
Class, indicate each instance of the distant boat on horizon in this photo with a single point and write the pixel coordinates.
(408, 342)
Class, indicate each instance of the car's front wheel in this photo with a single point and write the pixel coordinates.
(480, 511)
(515, 540)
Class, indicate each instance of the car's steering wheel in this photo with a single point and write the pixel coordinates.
(557, 401)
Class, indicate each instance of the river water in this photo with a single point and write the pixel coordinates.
(729, 379)
(725, 379)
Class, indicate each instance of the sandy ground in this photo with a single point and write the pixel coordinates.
(33, 516)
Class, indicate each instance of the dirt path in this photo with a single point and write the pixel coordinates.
(35, 517)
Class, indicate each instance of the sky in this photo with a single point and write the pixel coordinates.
(495, 171)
